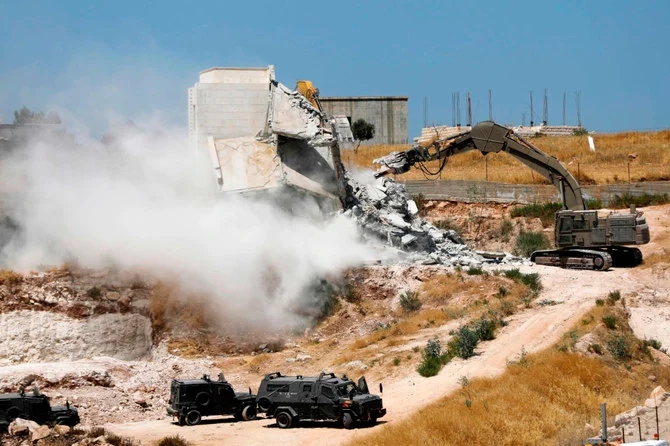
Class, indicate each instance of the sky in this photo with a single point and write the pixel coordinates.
(100, 63)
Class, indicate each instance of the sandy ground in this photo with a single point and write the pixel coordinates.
(646, 291)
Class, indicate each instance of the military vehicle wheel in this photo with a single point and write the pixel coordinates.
(284, 420)
(13, 413)
(203, 399)
(347, 420)
(373, 420)
(4, 427)
(182, 420)
(248, 413)
(193, 417)
(238, 415)
(263, 404)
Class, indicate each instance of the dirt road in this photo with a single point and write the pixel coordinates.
(531, 330)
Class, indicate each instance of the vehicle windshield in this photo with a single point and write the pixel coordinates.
(344, 390)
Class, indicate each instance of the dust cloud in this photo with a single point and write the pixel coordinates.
(135, 203)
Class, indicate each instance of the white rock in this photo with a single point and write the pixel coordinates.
(412, 208)
(20, 425)
(395, 220)
(407, 239)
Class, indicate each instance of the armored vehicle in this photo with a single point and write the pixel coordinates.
(34, 406)
(191, 399)
(291, 399)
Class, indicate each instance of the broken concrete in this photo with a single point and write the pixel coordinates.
(387, 214)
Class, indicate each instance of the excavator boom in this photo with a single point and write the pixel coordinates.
(489, 137)
(584, 239)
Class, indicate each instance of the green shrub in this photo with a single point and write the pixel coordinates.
(531, 280)
(432, 359)
(613, 297)
(527, 242)
(619, 348)
(600, 302)
(545, 212)
(464, 343)
(595, 348)
(447, 225)
(485, 329)
(593, 203)
(506, 228)
(173, 440)
(94, 292)
(502, 292)
(396, 361)
(610, 321)
(409, 301)
(625, 200)
(653, 343)
(475, 271)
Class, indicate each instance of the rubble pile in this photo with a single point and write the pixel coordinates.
(386, 213)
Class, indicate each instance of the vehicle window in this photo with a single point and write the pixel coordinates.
(327, 392)
(580, 224)
(344, 390)
(307, 388)
(566, 224)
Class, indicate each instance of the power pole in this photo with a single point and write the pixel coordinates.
(578, 101)
(469, 110)
(458, 109)
(453, 109)
(563, 108)
(490, 107)
(545, 109)
(531, 108)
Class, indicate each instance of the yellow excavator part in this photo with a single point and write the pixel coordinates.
(309, 91)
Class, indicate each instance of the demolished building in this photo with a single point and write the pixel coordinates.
(265, 139)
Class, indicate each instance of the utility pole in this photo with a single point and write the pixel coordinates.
(545, 109)
(578, 101)
(490, 107)
(531, 108)
(563, 108)
(453, 109)
(458, 109)
(469, 110)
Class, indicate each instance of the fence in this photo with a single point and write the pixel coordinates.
(477, 191)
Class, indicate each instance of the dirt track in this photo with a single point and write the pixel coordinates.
(531, 330)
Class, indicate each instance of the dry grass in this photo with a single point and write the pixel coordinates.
(608, 164)
(551, 394)
(10, 278)
(447, 297)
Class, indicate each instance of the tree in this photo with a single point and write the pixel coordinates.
(27, 116)
(362, 130)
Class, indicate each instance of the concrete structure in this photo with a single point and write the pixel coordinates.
(387, 113)
(228, 103)
(263, 139)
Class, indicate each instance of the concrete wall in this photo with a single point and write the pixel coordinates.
(387, 113)
(481, 191)
(228, 103)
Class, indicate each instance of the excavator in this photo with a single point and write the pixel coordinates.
(584, 238)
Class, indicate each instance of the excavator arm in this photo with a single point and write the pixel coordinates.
(489, 137)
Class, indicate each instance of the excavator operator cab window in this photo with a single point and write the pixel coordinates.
(566, 224)
(579, 224)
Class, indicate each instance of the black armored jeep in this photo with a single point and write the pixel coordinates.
(34, 406)
(291, 399)
(191, 399)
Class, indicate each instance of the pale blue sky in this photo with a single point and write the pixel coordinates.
(100, 62)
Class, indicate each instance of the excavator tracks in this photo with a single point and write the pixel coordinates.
(573, 259)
